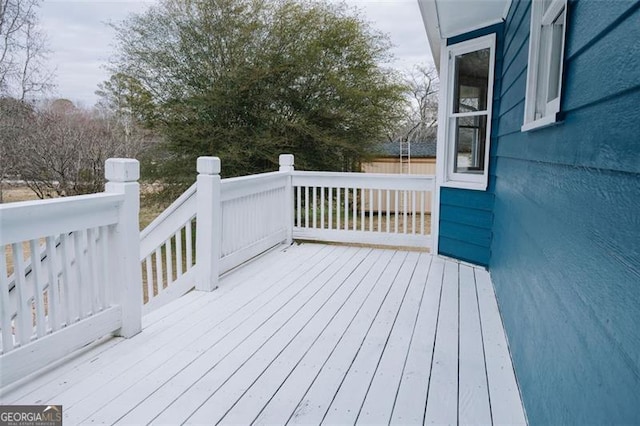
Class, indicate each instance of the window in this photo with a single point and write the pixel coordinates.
(469, 92)
(546, 53)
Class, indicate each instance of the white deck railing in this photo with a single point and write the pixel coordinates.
(89, 271)
(253, 216)
(75, 275)
(363, 208)
(167, 252)
(239, 218)
(236, 219)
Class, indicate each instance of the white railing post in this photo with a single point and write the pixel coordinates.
(122, 176)
(287, 165)
(208, 223)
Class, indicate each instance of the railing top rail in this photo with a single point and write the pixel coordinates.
(254, 184)
(364, 180)
(357, 175)
(250, 178)
(29, 220)
(181, 200)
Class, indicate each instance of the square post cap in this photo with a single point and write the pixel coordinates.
(209, 165)
(286, 160)
(122, 170)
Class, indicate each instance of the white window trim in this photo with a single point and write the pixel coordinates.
(445, 175)
(553, 107)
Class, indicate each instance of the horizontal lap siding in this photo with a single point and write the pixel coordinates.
(465, 225)
(565, 257)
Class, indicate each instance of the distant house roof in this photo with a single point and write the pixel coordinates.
(422, 149)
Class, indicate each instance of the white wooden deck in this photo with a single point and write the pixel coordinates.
(309, 334)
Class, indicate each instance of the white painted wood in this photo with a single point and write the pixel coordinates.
(285, 399)
(338, 208)
(169, 329)
(66, 278)
(442, 397)
(317, 397)
(189, 242)
(411, 399)
(366, 237)
(363, 180)
(229, 382)
(286, 162)
(351, 292)
(23, 310)
(160, 330)
(381, 395)
(182, 285)
(241, 256)
(169, 261)
(245, 186)
(314, 208)
(473, 394)
(362, 210)
(158, 325)
(330, 196)
(179, 253)
(350, 396)
(149, 276)
(454, 179)
(354, 204)
(396, 200)
(285, 328)
(5, 308)
(30, 220)
(27, 359)
(172, 330)
(106, 290)
(539, 62)
(179, 212)
(222, 352)
(506, 406)
(93, 283)
(209, 239)
(40, 319)
(122, 175)
(81, 289)
(159, 272)
(388, 211)
(298, 207)
(322, 207)
(221, 362)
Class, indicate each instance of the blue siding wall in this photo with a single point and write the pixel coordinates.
(565, 246)
(466, 216)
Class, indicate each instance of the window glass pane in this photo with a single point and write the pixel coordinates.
(543, 72)
(471, 81)
(556, 30)
(470, 142)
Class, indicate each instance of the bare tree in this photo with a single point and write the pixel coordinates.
(15, 119)
(421, 119)
(23, 50)
(62, 150)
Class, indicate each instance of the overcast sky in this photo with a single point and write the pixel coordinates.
(82, 43)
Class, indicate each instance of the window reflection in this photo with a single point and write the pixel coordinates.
(471, 81)
(470, 143)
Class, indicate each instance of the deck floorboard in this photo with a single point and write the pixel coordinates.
(304, 335)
